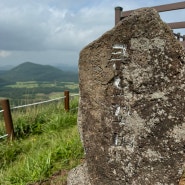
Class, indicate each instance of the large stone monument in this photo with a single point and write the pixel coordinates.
(132, 105)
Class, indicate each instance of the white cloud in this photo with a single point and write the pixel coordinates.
(54, 26)
(4, 54)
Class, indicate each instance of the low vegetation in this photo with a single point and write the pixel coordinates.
(47, 142)
(33, 91)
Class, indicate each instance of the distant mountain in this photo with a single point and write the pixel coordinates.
(29, 71)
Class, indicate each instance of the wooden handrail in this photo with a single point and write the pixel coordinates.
(160, 8)
(4, 103)
(177, 25)
(120, 14)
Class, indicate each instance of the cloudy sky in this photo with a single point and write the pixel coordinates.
(54, 31)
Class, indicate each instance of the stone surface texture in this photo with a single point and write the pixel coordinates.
(132, 104)
(78, 176)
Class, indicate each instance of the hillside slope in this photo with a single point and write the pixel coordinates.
(36, 72)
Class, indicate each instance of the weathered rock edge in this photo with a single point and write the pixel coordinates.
(132, 105)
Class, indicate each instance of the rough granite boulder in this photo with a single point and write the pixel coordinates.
(132, 104)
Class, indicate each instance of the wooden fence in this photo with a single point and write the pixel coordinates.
(6, 110)
(120, 14)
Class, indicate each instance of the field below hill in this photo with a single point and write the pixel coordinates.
(32, 91)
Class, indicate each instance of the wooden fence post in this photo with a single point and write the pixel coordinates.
(7, 118)
(66, 100)
(118, 11)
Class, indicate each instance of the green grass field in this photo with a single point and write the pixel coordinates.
(47, 141)
(32, 91)
(35, 84)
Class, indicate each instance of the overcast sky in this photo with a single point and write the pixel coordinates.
(54, 31)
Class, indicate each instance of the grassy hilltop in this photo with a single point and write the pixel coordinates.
(29, 71)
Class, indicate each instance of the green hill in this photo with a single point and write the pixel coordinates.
(36, 72)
